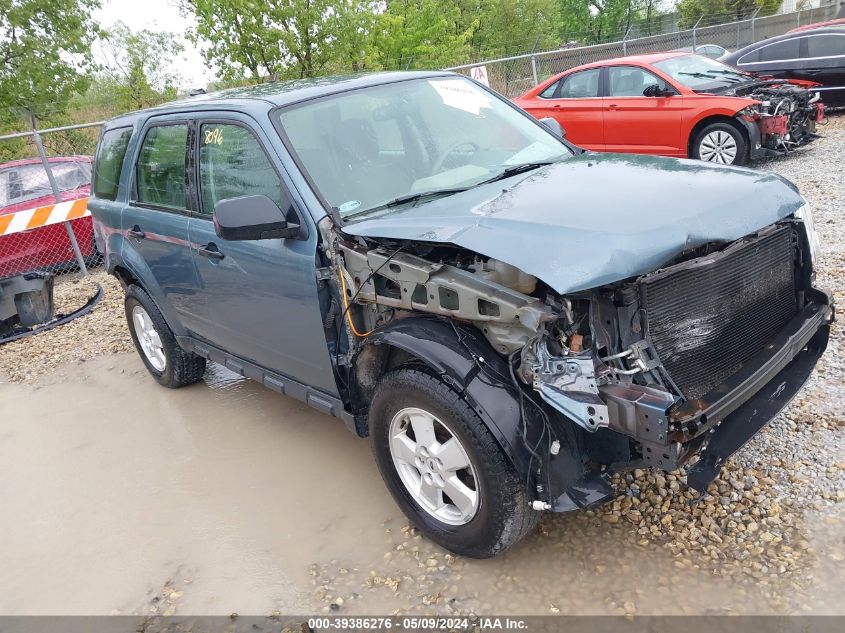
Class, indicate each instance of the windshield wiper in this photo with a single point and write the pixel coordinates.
(729, 72)
(513, 170)
(423, 196)
(412, 197)
(697, 75)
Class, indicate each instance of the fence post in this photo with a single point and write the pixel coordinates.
(534, 69)
(754, 25)
(58, 196)
(694, 34)
(625, 42)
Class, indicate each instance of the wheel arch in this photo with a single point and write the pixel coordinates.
(125, 276)
(720, 117)
(131, 268)
(464, 361)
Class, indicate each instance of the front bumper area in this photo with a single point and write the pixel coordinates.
(765, 146)
(753, 415)
(719, 423)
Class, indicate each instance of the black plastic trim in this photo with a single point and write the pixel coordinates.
(85, 309)
(315, 399)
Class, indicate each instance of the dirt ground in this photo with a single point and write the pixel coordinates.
(119, 496)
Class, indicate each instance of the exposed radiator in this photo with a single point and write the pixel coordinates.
(707, 318)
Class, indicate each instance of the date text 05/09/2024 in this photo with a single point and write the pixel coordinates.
(410, 623)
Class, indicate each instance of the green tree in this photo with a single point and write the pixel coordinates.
(273, 39)
(509, 27)
(138, 70)
(422, 34)
(45, 54)
(692, 10)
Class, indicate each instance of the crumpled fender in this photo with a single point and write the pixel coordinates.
(469, 366)
(467, 363)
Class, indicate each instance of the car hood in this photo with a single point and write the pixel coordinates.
(596, 218)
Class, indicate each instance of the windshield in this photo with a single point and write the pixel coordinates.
(700, 73)
(29, 182)
(383, 146)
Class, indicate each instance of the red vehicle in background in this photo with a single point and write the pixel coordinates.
(818, 25)
(676, 104)
(24, 185)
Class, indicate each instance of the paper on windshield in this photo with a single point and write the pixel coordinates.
(461, 94)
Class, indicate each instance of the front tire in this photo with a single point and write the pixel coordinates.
(168, 363)
(720, 143)
(444, 468)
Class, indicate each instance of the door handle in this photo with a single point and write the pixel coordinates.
(556, 106)
(612, 106)
(136, 232)
(210, 251)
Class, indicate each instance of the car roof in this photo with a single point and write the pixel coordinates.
(270, 95)
(50, 159)
(648, 58)
(786, 36)
(817, 25)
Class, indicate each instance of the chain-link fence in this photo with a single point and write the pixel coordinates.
(44, 221)
(512, 76)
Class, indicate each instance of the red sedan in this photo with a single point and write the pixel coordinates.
(676, 104)
(24, 185)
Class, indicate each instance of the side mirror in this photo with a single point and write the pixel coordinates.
(654, 90)
(252, 218)
(553, 126)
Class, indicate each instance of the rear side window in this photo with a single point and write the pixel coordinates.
(161, 172)
(779, 51)
(581, 85)
(109, 162)
(549, 92)
(826, 45)
(233, 164)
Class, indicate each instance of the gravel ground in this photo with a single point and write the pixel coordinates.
(774, 513)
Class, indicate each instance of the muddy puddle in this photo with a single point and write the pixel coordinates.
(120, 496)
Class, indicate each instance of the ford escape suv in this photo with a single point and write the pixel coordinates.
(508, 318)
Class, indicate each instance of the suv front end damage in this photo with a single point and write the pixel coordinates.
(690, 360)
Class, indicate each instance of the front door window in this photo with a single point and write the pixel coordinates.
(233, 164)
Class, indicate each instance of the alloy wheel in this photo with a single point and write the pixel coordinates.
(148, 338)
(718, 147)
(434, 466)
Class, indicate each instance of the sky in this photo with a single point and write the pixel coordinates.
(158, 15)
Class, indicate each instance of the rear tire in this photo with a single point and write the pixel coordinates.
(413, 416)
(720, 143)
(168, 363)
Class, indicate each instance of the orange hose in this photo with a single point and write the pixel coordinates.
(346, 309)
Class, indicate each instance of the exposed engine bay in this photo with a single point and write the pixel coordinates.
(786, 114)
(644, 359)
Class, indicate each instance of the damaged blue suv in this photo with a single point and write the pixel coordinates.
(508, 318)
